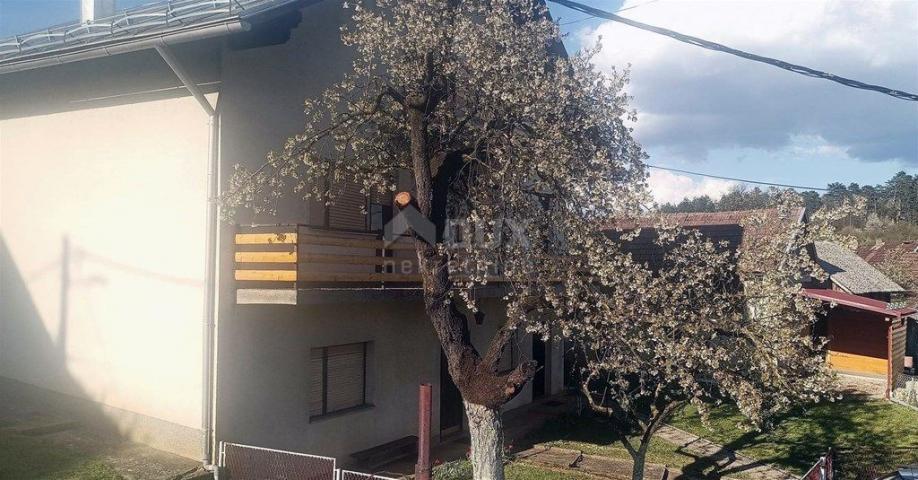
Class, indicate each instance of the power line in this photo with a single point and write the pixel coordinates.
(698, 42)
(617, 11)
(743, 180)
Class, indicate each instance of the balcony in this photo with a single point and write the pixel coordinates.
(275, 264)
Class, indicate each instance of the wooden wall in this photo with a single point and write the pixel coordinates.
(897, 336)
(857, 342)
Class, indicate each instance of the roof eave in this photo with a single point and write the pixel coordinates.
(76, 54)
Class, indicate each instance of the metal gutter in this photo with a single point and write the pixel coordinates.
(211, 223)
(132, 45)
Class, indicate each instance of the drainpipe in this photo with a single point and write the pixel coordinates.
(211, 224)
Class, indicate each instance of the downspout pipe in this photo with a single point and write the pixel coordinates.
(211, 225)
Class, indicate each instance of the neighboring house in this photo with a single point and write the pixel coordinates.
(866, 333)
(901, 261)
(123, 295)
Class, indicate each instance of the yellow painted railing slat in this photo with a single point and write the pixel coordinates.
(265, 238)
(267, 275)
(266, 257)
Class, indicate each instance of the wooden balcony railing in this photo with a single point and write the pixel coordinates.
(291, 257)
(273, 263)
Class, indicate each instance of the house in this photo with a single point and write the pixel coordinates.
(900, 259)
(866, 333)
(125, 300)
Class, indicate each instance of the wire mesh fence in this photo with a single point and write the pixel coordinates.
(873, 463)
(349, 475)
(905, 389)
(245, 462)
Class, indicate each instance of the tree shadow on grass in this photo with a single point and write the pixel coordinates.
(864, 431)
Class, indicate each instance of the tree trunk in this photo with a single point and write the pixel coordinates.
(487, 434)
(639, 457)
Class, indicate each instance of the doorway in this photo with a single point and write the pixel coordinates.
(538, 355)
(450, 401)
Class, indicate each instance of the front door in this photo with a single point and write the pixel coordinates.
(450, 401)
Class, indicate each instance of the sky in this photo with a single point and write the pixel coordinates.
(714, 113)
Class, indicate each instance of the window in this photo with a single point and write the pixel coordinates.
(338, 378)
(507, 356)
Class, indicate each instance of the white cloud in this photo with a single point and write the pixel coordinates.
(668, 187)
(692, 101)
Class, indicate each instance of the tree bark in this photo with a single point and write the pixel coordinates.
(487, 435)
(483, 389)
(639, 457)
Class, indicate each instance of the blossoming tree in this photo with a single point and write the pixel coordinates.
(501, 131)
(702, 324)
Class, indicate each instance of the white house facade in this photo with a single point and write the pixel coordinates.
(120, 292)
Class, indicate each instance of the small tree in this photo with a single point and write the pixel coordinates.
(501, 132)
(702, 325)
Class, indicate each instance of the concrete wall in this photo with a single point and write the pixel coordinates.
(102, 225)
(262, 94)
(264, 378)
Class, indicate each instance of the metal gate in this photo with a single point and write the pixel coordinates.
(349, 475)
(246, 462)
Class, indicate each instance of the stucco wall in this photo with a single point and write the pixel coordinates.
(263, 91)
(102, 225)
(264, 378)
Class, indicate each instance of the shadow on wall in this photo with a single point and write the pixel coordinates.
(28, 353)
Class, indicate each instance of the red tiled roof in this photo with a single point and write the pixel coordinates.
(717, 226)
(903, 253)
(857, 301)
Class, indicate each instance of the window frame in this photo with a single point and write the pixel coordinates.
(364, 390)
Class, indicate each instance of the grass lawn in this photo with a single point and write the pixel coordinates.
(30, 458)
(518, 471)
(462, 470)
(863, 431)
(595, 437)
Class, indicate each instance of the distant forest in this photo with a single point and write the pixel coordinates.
(891, 214)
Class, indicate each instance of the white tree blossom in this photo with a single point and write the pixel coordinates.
(702, 325)
(503, 133)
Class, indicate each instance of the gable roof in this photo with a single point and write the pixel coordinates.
(163, 22)
(852, 272)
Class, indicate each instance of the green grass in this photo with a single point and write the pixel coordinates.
(30, 458)
(594, 436)
(518, 471)
(860, 429)
(462, 470)
(864, 432)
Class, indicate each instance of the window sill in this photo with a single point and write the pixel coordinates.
(340, 413)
